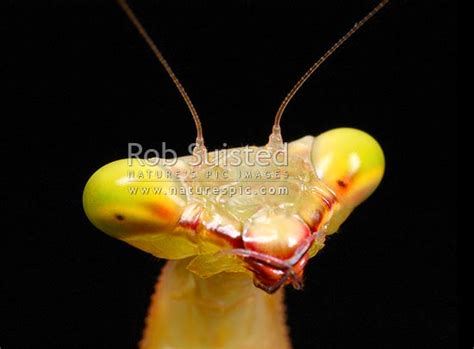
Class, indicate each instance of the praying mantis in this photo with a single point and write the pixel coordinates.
(236, 225)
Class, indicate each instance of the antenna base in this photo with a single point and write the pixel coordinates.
(275, 140)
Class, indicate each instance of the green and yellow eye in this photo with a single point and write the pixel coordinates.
(351, 163)
(121, 199)
(139, 204)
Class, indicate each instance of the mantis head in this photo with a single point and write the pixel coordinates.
(276, 245)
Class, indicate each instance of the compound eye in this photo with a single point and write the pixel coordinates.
(350, 162)
(126, 207)
(275, 234)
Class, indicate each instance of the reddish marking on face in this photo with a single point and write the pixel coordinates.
(328, 200)
(164, 213)
(344, 184)
(231, 239)
(315, 220)
(279, 237)
(266, 276)
(341, 183)
(191, 217)
(299, 267)
(190, 224)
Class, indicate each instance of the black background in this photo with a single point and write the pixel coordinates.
(82, 84)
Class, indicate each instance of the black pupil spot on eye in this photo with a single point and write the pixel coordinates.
(119, 217)
(341, 183)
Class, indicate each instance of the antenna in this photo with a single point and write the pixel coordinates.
(275, 137)
(131, 15)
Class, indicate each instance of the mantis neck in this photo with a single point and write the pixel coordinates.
(225, 311)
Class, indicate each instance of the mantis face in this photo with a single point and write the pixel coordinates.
(270, 236)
